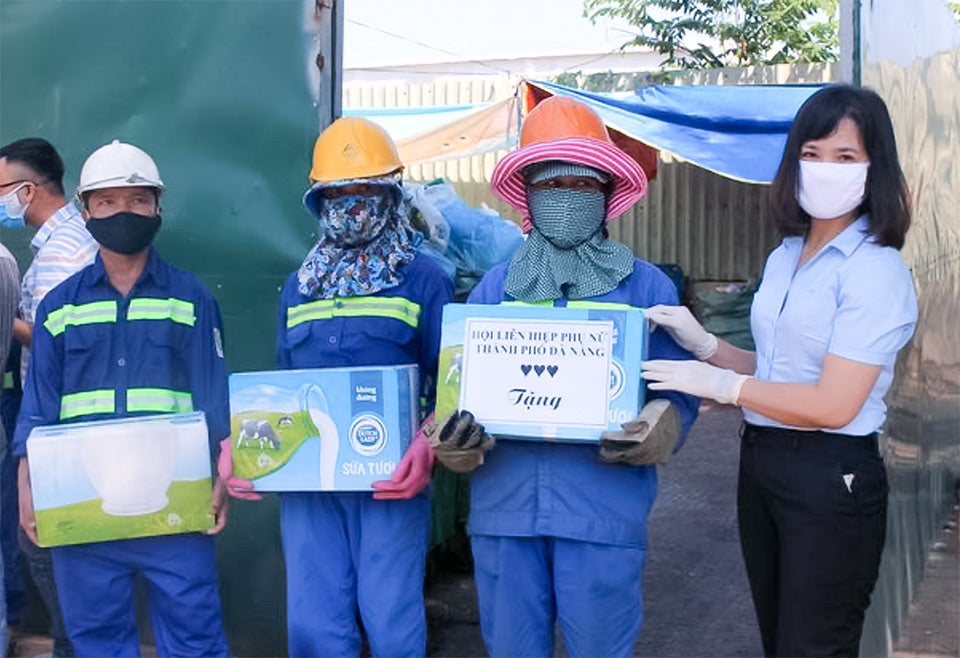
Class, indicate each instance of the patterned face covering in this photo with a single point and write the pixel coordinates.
(364, 242)
(566, 255)
(565, 217)
(352, 220)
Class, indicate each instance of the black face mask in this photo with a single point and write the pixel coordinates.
(124, 232)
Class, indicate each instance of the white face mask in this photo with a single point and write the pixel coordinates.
(827, 190)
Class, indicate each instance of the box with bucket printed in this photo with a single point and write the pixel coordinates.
(328, 429)
(542, 373)
(119, 479)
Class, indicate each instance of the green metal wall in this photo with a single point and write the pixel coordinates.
(218, 92)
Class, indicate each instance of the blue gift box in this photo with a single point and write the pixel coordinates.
(541, 372)
(327, 429)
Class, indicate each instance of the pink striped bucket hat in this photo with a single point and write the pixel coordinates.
(564, 129)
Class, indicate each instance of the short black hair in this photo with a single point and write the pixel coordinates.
(887, 199)
(39, 155)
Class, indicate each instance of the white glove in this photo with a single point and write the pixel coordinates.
(684, 328)
(695, 378)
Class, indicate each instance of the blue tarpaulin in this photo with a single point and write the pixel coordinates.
(735, 131)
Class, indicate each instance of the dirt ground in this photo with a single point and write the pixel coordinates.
(695, 590)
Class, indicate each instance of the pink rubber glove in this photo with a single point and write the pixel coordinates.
(236, 487)
(411, 475)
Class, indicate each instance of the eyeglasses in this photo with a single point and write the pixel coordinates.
(14, 182)
(38, 183)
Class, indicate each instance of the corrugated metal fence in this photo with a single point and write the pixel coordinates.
(712, 227)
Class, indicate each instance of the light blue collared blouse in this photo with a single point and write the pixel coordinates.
(854, 299)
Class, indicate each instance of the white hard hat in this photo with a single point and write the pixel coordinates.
(118, 165)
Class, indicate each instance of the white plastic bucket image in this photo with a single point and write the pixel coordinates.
(131, 465)
(314, 402)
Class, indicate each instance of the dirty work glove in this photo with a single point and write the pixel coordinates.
(647, 439)
(689, 334)
(459, 442)
(236, 487)
(695, 378)
(412, 473)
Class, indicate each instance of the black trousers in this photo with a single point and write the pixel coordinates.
(812, 510)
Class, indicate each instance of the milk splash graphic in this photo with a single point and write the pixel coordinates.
(314, 403)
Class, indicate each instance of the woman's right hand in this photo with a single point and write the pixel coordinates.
(689, 334)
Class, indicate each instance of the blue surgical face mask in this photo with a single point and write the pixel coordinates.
(12, 209)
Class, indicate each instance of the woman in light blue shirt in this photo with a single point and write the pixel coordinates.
(835, 305)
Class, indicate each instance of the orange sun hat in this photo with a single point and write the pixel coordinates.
(566, 130)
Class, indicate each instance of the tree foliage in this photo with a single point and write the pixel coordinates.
(712, 33)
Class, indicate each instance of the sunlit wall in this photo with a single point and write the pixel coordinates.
(910, 54)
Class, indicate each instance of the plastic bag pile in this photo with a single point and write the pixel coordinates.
(465, 241)
(724, 310)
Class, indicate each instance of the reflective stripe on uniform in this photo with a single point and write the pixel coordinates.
(159, 400)
(76, 315)
(8, 379)
(578, 304)
(173, 309)
(516, 302)
(616, 306)
(102, 401)
(87, 402)
(397, 308)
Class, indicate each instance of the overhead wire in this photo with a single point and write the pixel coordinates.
(460, 58)
(595, 58)
(413, 70)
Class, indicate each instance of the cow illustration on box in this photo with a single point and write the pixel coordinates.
(258, 433)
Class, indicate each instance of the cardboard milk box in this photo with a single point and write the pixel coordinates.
(328, 429)
(539, 372)
(119, 479)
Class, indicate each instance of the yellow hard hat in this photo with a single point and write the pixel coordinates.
(353, 147)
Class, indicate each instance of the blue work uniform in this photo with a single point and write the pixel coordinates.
(557, 534)
(347, 552)
(9, 522)
(100, 355)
